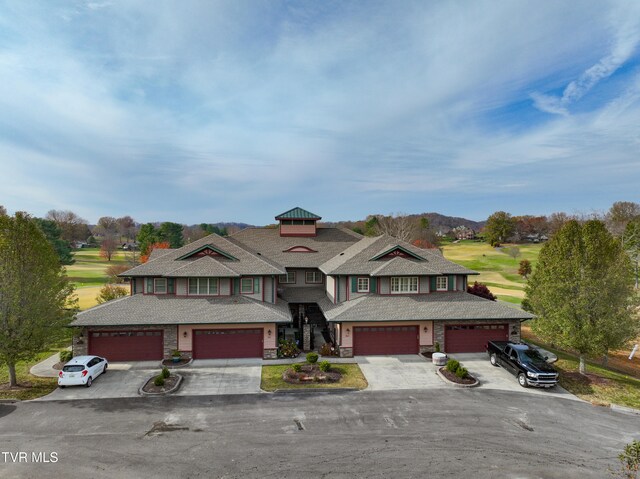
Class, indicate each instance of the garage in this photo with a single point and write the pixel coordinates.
(127, 345)
(227, 343)
(385, 340)
(473, 338)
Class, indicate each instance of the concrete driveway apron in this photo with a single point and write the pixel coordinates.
(399, 372)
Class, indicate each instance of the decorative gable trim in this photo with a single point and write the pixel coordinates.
(299, 249)
(397, 251)
(208, 250)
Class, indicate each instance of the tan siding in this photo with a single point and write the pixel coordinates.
(225, 286)
(181, 286)
(384, 287)
(424, 284)
(297, 229)
(331, 288)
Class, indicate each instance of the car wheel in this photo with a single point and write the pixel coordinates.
(522, 379)
(89, 381)
(493, 359)
(61, 386)
(105, 369)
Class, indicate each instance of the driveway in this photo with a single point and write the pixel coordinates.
(203, 377)
(399, 372)
(492, 377)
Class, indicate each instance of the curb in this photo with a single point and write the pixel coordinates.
(624, 409)
(446, 380)
(172, 390)
(9, 401)
(313, 390)
(176, 367)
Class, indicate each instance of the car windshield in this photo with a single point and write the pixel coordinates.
(531, 356)
(73, 368)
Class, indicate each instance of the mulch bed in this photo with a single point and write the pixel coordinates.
(455, 379)
(169, 362)
(587, 378)
(169, 383)
(58, 365)
(311, 373)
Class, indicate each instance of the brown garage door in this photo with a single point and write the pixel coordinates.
(126, 345)
(227, 343)
(385, 340)
(473, 338)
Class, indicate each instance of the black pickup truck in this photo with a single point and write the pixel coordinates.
(524, 362)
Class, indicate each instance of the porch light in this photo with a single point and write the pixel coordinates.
(426, 329)
(184, 334)
(269, 333)
(347, 332)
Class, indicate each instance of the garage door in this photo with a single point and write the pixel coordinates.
(227, 343)
(385, 340)
(472, 338)
(126, 345)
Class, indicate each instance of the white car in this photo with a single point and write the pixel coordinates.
(82, 370)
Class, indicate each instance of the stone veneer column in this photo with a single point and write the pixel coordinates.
(270, 354)
(306, 337)
(346, 352)
(79, 344)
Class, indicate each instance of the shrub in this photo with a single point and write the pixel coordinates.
(288, 349)
(176, 353)
(326, 349)
(437, 347)
(324, 366)
(452, 365)
(165, 373)
(462, 372)
(66, 356)
(312, 358)
(159, 380)
(110, 291)
(297, 367)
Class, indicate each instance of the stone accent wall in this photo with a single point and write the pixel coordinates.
(439, 329)
(306, 337)
(346, 352)
(426, 349)
(170, 337)
(270, 354)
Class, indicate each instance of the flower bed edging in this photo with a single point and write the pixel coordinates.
(141, 392)
(172, 365)
(447, 380)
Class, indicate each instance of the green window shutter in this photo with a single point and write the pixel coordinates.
(149, 285)
(256, 285)
(373, 285)
(171, 287)
(452, 282)
(354, 284)
(432, 284)
(236, 285)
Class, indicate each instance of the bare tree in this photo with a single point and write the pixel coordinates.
(512, 251)
(3, 211)
(126, 227)
(72, 226)
(399, 226)
(620, 213)
(108, 247)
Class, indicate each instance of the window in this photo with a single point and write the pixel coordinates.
(313, 277)
(441, 283)
(160, 285)
(404, 284)
(363, 285)
(203, 286)
(289, 278)
(247, 285)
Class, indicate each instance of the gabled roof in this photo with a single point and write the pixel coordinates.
(246, 263)
(358, 259)
(403, 267)
(202, 267)
(142, 309)
(208, 247)
(397, 248)
(297, 213)
(453, 306)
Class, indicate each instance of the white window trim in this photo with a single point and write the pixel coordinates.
(314, 273)
(155, 285)
(409, 280)
(362, 289)
(198, 281)
(446, 283)
(242, 280)
(286, 278)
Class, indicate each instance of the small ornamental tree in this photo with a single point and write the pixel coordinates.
(479, 289)
(524, 269)
(160, 245)
(107, 248)
(114, 270)
(111, 291)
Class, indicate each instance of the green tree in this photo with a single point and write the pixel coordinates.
(631, 244)
(146, 237)
(3, 211)
(53, 235)
(111, 291)
(172, 233)
(499, 227)
(582, 291)
(36, 300)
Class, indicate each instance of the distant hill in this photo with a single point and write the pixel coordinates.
(438, 222)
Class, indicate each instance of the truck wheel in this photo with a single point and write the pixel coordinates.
(522, 379)
(493, 360)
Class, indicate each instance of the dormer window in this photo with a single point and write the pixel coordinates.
(404, 285)
(313, 277)
(160, 285)
(363, 285)
(441, 283)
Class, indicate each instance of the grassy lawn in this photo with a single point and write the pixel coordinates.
(88, 273)
(498, 270)
(30, 387)
(352, 377)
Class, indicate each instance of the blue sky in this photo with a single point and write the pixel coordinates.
(239, 110)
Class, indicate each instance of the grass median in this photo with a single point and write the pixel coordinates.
(352, 377)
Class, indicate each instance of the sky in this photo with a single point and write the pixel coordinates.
(240, 110)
